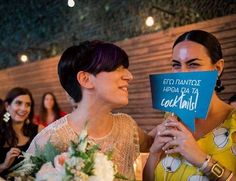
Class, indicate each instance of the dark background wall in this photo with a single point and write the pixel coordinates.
(44, 28)
(148, 54)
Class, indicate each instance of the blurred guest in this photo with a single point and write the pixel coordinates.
(49, 110)
(232, 100)
(16, 127)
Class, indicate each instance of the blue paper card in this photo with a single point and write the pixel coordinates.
(187, 94)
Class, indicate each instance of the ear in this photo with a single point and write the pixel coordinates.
(84, 79)
(219, 65)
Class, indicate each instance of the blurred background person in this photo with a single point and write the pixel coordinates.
(232, 100)
(16, 127)
(49, 110)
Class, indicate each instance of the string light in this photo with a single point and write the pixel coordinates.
(71, 3)
(24, 58)
(149, 21)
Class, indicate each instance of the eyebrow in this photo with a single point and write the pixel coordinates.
(189, 61)
(22, 102)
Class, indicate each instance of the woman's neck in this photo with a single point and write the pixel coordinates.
(217, 114)
(50, 112)
(18, 126)
(98, 116)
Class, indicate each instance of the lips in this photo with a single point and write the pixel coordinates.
(21, 114)
(124, 88)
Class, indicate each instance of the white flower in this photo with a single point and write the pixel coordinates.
(103, 168)
(49, 173)
(75, 162)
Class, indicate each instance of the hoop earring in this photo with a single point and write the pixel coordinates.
(27, 121)
(6, 117)
(219, 87)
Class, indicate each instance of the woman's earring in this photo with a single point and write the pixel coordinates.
(27, 121)
(6, 117)
(219, 87)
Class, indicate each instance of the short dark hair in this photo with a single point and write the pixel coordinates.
(89, 56)
(209, 41)
(232, 98)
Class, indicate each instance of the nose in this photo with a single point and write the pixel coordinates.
(183, 68)
(127, 75)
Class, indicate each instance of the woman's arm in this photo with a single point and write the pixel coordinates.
(155, 151)
(149, 169)
(145, 141)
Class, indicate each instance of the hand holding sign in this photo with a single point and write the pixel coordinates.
(187, 94)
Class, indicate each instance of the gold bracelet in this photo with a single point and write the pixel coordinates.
(230, 176)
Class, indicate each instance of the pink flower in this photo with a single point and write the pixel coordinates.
(59, 161)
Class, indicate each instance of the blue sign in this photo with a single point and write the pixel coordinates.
(186, 94)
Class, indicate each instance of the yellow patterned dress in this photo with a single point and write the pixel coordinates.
(220, 144)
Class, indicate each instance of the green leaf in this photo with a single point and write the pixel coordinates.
(50, 151)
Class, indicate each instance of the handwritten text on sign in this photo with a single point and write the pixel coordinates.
(186, 94)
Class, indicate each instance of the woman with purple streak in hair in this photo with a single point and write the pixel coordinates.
(95, 74)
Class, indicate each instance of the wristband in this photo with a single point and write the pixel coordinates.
(205, 163)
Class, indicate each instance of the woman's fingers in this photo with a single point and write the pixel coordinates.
(159, 142)
(157, 130)
(172, 150)
(173, 143)
(170, 132)
(153, 132)
(13, 152)
(177, 125)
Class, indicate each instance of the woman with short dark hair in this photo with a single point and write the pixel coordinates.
(95, 74)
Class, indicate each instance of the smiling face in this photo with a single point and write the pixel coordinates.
(190, 56)
(112, 87)
(19, 108)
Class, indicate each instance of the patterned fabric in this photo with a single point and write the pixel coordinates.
(220, 144)
(123, 140)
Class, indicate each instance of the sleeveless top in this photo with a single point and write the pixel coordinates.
(4, 150)
(220, 143)
(122, 140)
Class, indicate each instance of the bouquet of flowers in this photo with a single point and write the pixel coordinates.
(82, 162)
